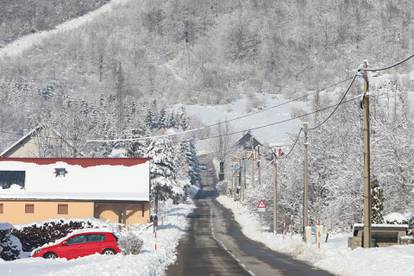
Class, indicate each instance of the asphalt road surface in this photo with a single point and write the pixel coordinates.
(215, 245)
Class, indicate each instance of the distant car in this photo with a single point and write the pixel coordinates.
(80, 245)
(203, 167)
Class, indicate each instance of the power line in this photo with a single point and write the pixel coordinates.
(281, 121)
(294, 143)
(282, 104)
(387, 67)
(218, 123)
(337, 106)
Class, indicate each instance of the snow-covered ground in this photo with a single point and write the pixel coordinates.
(27, 42)
(278, 134)
(334, 255)
(148, 262)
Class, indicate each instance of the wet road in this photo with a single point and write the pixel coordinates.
(215, 245)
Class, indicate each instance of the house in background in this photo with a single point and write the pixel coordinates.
(41, 141)
(247, 142)
(38, 189)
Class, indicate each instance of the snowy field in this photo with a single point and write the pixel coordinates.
(149, 262)
(278, 134)
(334, 256)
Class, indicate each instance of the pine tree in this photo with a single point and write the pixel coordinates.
(377, 196)
(163, 120)
(162, 170)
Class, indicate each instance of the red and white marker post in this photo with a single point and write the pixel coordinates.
(318, 233)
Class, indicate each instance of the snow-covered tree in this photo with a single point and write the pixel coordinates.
(377, 201)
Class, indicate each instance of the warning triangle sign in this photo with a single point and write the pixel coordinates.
(262, 204)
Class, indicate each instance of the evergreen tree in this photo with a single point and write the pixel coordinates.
(189, 151)
(162, 170)
(377, 197)
(163, 119)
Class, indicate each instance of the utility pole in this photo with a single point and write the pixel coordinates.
(244, 175)
(233, 184)
(253, 161)
(240, 180)
(367, 169)
(305, 181)
(275, 195)
(259, 172)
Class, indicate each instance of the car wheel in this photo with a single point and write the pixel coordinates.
(108, 252)
(50, 255)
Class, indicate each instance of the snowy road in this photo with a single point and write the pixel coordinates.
(200, 254)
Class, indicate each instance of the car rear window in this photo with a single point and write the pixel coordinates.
(95, 238)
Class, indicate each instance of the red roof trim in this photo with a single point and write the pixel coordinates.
(83, 162)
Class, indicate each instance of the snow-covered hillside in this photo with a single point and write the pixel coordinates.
(19, 46)
(278, 134)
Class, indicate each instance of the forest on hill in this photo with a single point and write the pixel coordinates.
(22, 17)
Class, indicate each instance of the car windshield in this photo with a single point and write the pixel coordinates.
(77, 239)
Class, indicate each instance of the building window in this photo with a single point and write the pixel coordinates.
(1, 208)
(29, 208)
(63, 209)
(60, 172)
(8, 178)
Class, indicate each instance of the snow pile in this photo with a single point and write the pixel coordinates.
(148, 262)
(333, 256)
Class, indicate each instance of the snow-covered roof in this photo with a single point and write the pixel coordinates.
(113, 179)
(21, 140)
(27, 136)
(395, 217)
(383, 225)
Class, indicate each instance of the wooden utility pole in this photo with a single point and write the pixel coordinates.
(241, 191)
(275, 195)
(244, 175)
(259, 171)
(305, 181)
(253, 161)
(367, 169)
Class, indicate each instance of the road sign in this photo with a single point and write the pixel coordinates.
(261, 206)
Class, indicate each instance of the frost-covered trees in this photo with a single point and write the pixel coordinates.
(189, 151)
(335, 164)
(377, 201)
(174, 167)
(162, 169)
(10, 246)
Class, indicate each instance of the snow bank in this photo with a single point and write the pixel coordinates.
(395, 217)
(148, 262)
(333, 256)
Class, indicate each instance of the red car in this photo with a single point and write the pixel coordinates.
(80, 245)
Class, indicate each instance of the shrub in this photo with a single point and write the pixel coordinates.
(130, 244)
(36, 235)
(10, 246)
